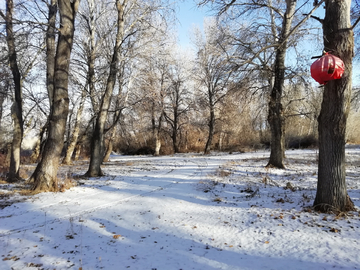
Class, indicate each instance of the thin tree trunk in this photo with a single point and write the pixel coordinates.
(97, 141)
(92, 56)
(51, 50)
(16, 109)
(37, 150)
(331, 195)
(276, 115)
(45, 175)
(3, 95)
(174, 136)
(221, 137)
(77, 152)
(110, 146)
(75, 134)
(156, 132)
(211, 131)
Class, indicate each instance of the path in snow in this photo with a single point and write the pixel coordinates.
(184, 212)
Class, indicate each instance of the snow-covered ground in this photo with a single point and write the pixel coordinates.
(186, 211)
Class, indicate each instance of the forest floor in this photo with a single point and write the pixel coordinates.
(186, 211)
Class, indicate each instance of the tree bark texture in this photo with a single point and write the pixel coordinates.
(51, 50)
(276, 114)
(45, 175)
(331, 195)
(97, 141)
(16, 109)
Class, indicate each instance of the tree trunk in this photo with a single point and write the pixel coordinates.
(109, 146)
(175, 126)
(51, 50)
(16, 109)
(92, 56)
(211, 131)
(276, 115)
(97, 141)
(39, 144)
(221, 137)
(2, 99)
(77, 152)
(45, 174)
(174, 137)
(331, 195)
(75, 135)
(156, 132)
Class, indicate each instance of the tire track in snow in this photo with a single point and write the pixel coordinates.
(92, 183)
(79, 213)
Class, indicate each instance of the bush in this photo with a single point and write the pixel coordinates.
(144, 150)
(298, 142)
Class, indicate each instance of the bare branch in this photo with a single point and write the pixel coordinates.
(316, 18)
(356, 22)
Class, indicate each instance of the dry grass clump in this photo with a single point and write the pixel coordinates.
(66, 183)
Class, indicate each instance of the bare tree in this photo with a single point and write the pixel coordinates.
(16, 110)
(179, 100)
(214, 73)
(280, 29)
(45, 175)
(154, 82)
(331, 195)
(97, 141)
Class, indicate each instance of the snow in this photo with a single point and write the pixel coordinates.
(187, 211)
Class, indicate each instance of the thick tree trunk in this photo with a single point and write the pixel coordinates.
(16, 109)
(45, 175)
(331, 195)
(97, 141)
(276, 115)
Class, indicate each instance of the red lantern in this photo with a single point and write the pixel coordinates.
(327, 68)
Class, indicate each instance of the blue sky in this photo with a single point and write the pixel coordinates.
(188, 15)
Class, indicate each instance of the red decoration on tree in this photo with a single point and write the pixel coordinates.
(327, 68)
